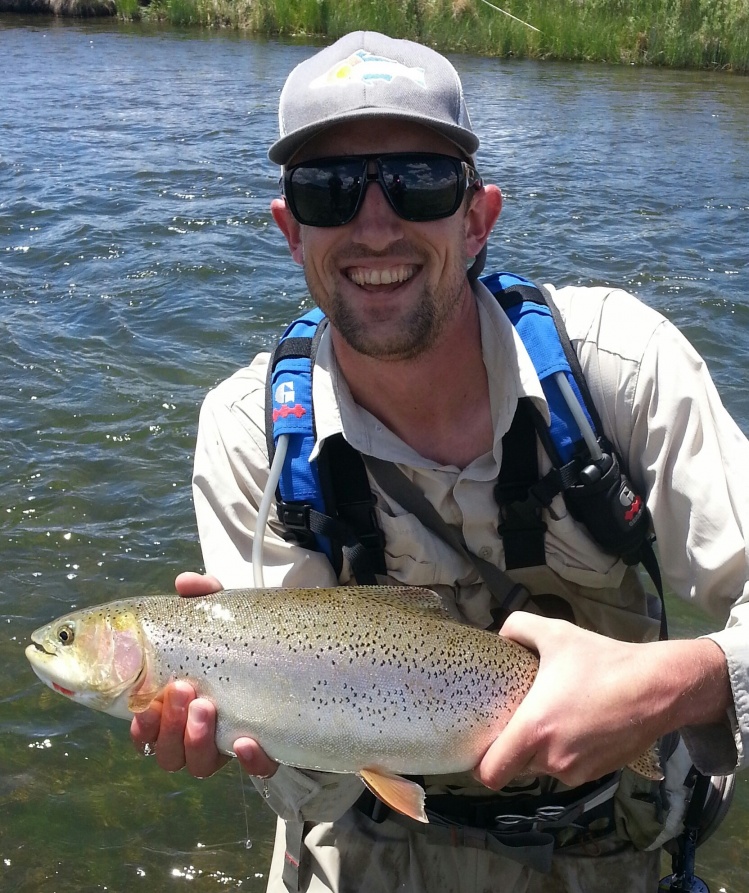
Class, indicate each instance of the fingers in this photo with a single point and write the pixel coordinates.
(170, 743)
(201, 755)
(190, 584)
(144, 729)
(253, 759)
(509, 756)
(540, 738)
(180, 730)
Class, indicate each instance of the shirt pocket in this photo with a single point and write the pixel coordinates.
(417, 557)
(573, 553)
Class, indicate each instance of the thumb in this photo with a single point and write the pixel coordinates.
(532, 630)
(253, 758)
(190, 584)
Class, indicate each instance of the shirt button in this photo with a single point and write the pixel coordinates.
(486, 552)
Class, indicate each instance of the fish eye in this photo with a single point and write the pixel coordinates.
(66, 634)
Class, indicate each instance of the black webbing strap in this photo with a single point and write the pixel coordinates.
(344, 479)
(521, 526)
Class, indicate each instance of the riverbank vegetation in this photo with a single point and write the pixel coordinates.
(711, 34)
(675, 33)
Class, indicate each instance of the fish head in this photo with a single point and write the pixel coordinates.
(95, 657)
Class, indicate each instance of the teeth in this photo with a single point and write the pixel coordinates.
(367, 276)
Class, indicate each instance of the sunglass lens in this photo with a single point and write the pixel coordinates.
(325, 194)
(422, 188)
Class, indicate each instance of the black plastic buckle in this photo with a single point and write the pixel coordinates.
(520, 517)
(294, 516)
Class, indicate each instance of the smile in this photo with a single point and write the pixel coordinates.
(390, 276)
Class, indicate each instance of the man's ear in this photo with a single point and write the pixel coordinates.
(481, 216)
(289, 227)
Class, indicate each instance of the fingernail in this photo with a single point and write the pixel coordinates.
(198, 712)
(178, 700)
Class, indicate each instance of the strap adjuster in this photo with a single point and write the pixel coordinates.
(294, 516)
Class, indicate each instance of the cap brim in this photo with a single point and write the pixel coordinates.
(284, 149)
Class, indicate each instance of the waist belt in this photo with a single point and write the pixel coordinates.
(526, 829)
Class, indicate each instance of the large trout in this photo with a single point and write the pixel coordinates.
(377, 681)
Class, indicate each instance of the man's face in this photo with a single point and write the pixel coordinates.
(389, 286)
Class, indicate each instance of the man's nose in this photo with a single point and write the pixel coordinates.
(376, 220)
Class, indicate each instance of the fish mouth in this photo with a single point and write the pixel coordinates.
(36, 646)
(36, 653)
(38, 657)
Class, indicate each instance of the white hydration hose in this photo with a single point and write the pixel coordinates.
(264, 510)
(579, 416)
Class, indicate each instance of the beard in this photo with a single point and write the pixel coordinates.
(413, 333)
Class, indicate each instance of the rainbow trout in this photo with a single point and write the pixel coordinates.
(378, 681)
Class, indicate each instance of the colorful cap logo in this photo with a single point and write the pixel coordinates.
(365, 67)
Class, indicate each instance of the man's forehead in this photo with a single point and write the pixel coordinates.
(374, 136)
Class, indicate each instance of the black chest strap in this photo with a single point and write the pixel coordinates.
(520, 512)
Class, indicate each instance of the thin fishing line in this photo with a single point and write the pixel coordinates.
(510, 15)
(248, 839)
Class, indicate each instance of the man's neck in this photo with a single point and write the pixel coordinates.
(438, 402)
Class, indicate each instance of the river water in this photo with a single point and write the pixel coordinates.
(139, 266)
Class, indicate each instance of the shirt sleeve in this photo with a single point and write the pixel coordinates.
(694, 460)
(685, 452)
(230, 474)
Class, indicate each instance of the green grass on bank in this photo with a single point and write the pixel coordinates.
(676, 33)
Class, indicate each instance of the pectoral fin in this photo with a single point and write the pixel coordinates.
(400, 794)
(648, 765)
(141, 700)
(145, 691)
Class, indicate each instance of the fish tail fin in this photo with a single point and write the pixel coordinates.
(648, 765)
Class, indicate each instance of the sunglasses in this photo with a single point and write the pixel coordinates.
(420, 186)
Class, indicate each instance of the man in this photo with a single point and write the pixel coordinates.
(421, 367)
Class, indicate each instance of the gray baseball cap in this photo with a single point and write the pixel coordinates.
(370, 75)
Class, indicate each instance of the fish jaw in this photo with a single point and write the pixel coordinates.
(95, 658)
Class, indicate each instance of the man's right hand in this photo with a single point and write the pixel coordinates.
(181, 728)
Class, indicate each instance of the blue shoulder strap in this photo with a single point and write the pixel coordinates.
(534, 322)
(326, 502)
(289, 406)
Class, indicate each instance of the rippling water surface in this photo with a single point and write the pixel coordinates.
(139, 266)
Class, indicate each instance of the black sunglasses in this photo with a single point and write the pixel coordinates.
(420, 186)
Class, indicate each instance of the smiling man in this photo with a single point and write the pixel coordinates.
(421, 372)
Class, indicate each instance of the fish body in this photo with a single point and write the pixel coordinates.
(376, 681)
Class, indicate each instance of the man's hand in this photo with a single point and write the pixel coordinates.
(181, 728)
(598, 703)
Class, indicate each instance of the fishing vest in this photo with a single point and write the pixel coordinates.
(327, 505)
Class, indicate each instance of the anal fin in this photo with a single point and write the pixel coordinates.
(400, 794)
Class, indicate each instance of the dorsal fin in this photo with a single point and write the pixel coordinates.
(413, 598)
